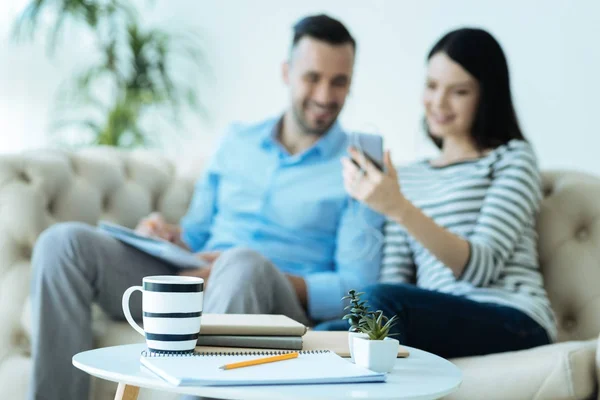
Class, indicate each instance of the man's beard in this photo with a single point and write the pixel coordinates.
(298, 112)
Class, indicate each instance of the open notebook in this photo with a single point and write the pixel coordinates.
(202, 369)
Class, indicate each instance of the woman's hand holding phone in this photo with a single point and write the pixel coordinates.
(367, 184)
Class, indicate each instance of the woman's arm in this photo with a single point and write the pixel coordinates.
(452, 250)
(397, 264)
(510, 205)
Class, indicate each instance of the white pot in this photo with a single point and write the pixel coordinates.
(376, 355)
(351, 336)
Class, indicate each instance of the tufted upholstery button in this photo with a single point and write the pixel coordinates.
(51, 205)
(26, 252)
(105, 203)
(22, 175)
(582, 234)
(548, 190)
(569, 323)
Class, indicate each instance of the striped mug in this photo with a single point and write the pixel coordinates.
(172, 311)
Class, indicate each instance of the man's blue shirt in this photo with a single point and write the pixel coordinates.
(292, 209)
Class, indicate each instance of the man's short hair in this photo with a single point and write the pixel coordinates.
(324, 28)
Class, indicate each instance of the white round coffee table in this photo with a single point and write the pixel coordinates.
(422, 375)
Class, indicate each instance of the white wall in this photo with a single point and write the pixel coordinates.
(552, 47)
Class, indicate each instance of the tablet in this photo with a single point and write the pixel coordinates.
(156, 247)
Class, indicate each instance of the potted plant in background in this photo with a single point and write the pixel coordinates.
(133, 92)
(377, 351)
(357, 310)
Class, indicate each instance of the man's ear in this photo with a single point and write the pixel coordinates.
(285, 72)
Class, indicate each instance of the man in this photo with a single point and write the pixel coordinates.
(270, 214)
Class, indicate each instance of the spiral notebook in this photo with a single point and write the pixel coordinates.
(202, 369)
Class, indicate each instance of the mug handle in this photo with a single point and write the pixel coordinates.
(127, 312)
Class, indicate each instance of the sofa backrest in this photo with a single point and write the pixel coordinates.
(569, 246)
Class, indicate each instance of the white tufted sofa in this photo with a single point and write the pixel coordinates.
(40, 188)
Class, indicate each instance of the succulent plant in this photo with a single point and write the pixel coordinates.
(376, 325)
(357, 309)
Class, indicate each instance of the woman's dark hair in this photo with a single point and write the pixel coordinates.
(477, 51)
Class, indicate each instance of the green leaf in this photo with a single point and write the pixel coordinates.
(26, 23)
(373, 325)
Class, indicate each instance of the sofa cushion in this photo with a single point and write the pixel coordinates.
(557, 371)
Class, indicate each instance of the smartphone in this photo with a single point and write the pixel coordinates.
(371, 146)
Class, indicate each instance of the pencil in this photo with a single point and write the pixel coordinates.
(241, 364)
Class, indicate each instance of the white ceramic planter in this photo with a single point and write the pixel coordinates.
(376, 355)
(351, 336)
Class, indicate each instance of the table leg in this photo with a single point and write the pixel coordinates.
(127, 392)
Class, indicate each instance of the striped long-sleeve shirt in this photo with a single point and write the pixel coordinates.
(492, 202)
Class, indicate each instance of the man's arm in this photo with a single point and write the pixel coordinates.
(197, 223)
(357, 263)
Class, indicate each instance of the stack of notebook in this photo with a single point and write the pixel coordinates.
(233, 338)
(251, 331)
(244, 332)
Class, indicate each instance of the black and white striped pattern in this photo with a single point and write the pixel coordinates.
(493, 203)
(172, 312)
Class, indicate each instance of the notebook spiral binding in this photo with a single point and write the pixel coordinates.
(154, 353)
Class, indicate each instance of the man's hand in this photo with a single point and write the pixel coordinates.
(210, 257)
(155, 225)
(203, 273)
(299, 285)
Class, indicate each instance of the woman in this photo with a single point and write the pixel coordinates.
(460, 263)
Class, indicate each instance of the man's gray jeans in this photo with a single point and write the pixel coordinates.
(74, 265)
